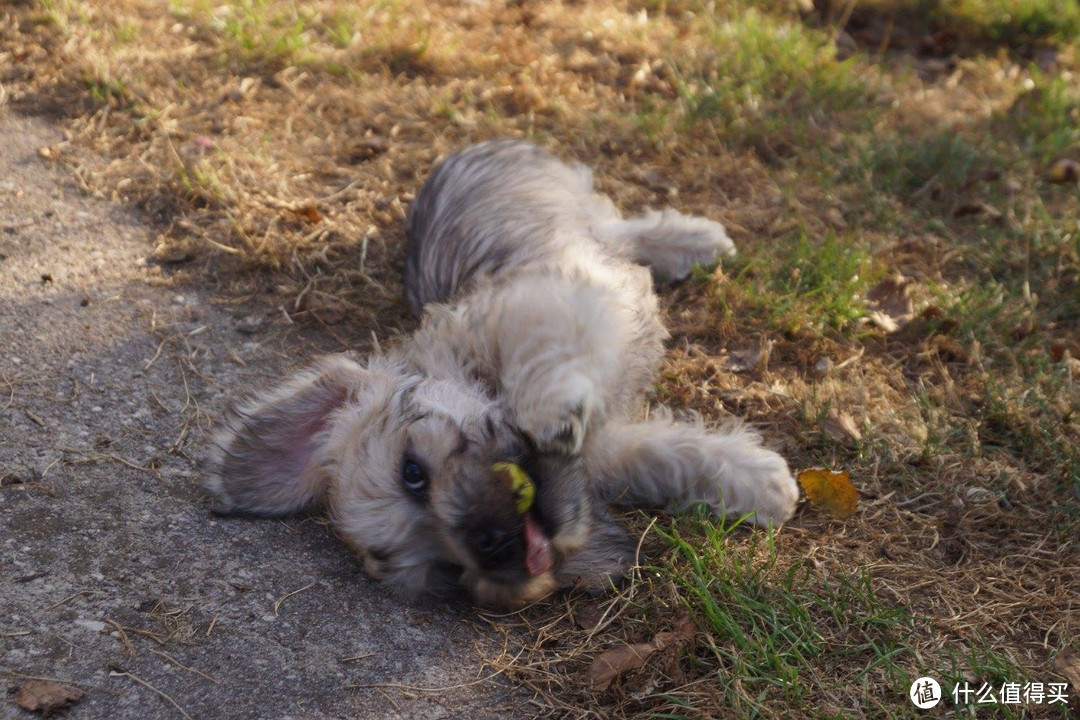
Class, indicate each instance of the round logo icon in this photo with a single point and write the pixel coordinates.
(925, 693)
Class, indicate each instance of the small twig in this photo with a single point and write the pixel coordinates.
(222, 248)
(157, 354)
(114, 458)
(48, 467)
(187, 390)
(179, 664)
(11, 393)
(123, 637)
(853, 358)
(330, 331)
(445, 688)
(283, 598)
(71, 597)
(156, 637)
(886, 38)
(912, 501)
(338, 193)
(181, 437)
(628, 594)
(356, 658)
(845, 16)
(119, 672)
(35, 417)
(303, 293)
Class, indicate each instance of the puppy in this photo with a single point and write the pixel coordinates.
(539, 342)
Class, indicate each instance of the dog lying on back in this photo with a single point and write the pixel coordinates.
(540, 339)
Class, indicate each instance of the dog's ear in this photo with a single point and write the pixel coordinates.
(267, 457)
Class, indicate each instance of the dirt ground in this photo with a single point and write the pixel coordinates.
(114, 576)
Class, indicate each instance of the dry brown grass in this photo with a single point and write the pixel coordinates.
(278, 146)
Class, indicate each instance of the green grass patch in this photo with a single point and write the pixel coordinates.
(268, 30)
(769, 627)
(984, 665)
(1015, 23)
(801, 284)
(258, 29)
(924, 171)
(771, 77)
(1046, 120)
(1028, 423)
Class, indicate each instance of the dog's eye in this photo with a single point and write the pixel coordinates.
(414, 477)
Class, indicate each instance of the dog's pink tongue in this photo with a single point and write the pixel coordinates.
(537, 547)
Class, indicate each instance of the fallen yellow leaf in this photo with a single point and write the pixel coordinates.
(829, 490)
(1065, 171)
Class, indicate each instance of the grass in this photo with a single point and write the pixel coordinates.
(914, 140)
(761, 65)
(1014, 21)
(771, 627)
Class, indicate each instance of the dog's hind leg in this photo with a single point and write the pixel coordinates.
(667, 241)
(664, 464)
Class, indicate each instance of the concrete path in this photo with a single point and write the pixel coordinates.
(114, 577)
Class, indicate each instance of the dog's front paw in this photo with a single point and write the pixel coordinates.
(776, 491)
(758, 484)
(692, 241)
(556, 414)
(559, 429)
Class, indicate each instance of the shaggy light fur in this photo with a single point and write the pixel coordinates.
(539, 341)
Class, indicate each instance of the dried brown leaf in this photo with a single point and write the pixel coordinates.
(587, 616)
(892, 295)
(976, 208)
(1067, 664)
(840, 426)
(611, 664)
(751, 359)
(890, 302)
(46, 697)
(168, 251)
(309, 213)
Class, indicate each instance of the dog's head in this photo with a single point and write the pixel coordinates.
(405, 463)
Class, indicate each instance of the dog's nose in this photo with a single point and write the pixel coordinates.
(494, 546)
